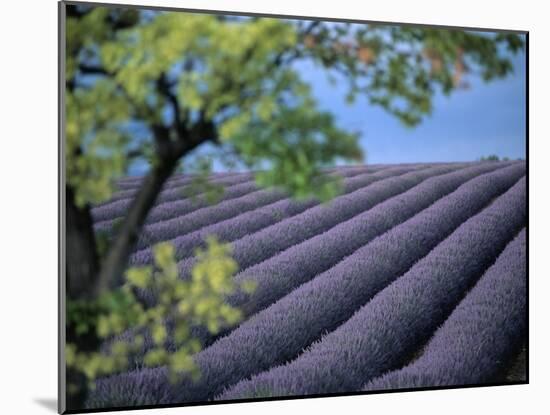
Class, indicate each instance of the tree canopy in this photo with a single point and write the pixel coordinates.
(231, 80)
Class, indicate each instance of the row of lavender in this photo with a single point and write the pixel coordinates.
(389, 329)
(255, 247)
(310, 217)
(174, 202)
(272, 274)
(134, 182)
(469, 347)
(177, 188)
(438, 220)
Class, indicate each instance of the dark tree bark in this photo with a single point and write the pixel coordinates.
(113, 268)
(82, 259)
(87, 277)
(169, 152)
(82, 266)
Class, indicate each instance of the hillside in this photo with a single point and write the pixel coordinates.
(415, 276)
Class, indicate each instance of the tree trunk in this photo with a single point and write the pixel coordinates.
(82, 266)
(113, 267)
(86, 276)
(169, 153)
(81, 253)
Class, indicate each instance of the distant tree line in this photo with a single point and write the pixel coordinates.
(494, 157)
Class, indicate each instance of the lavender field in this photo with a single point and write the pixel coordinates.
(414, 276)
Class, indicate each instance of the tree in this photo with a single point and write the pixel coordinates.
(492, 157)
(191, 79)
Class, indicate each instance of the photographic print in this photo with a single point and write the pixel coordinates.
(266, 207)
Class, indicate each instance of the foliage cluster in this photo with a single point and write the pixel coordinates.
(179, 305)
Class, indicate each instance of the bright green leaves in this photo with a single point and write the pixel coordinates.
(210, 283)
(223, 70)
(107, 316)
(232, 66)
(83, 33)
(279, 130)
(198, 301)
(139, 277)
(137, 57)
(188, 91)
(226, 71)
(95, 144)
(234, 125)
(96, 364)
(282, 133)
(164, 259)
(290, 148)
(267, 106)
(221, 58)
(159, 334)
(113, 55)
(201, 187)
(213, 268)
(401, 68)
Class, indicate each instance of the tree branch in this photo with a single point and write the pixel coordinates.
(169, 153)
(93, 69)
(77, 11)
(164, 88)
(278, 61)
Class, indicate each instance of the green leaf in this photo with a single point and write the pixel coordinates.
(159, 334)
(139, 277)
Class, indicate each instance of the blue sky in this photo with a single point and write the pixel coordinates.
(488, 118)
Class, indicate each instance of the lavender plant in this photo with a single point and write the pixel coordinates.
(385, 332)
(481, 334)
